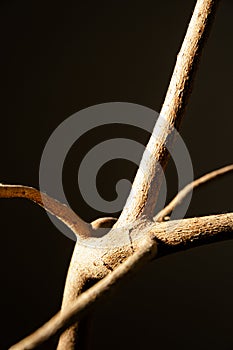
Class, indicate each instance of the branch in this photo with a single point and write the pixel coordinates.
(179, 198)
(54, 207)
(83, 272)
(177, 235)
(160, 239)
(143, 196)
(145, 189)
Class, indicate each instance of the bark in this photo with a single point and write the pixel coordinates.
(145, 189)
(105, 268)
(160, 239)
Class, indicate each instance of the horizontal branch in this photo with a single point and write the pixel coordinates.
(161, 239)
(54, 207)
(179, 198)
(183, 234)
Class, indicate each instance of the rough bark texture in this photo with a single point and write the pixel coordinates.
(146, 239)
(160, 239)
(143, 197)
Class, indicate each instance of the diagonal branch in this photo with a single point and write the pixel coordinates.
(179, 198)
(54, 207)
(145, 189)
(160, 239)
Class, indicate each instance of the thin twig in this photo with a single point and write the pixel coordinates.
(185, 234)
(145, 189)
(179, 198)
(54, 207)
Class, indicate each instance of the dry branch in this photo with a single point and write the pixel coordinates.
(158, 240)
(54, 207)
(145, 189)
(179, 198)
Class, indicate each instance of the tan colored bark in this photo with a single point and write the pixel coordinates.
(111, 266)
(53, 206)
(160, 239)
(179, 198)
(145, 189)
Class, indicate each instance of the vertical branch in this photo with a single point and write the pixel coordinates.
(86, 268)
(146, 186)
(145, 189)
(80, 277)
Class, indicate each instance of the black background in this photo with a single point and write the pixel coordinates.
(57, 58)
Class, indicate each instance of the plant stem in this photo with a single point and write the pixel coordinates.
(145, 189)
(161, 239)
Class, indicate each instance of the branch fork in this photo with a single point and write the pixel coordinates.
(148, 237)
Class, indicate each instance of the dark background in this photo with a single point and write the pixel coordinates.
(58, 58)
